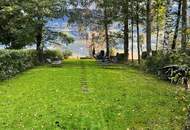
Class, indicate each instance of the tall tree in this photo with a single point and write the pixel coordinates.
(132, 31)
(138, 32)
(167, 24)
(148, 27)
(159, 16)
(16, 27)
(106, 31)
(157, 27)
(177, 25)
(122, 9)
(106, 7)
(40, 12)
(126, 29)
(184, 25)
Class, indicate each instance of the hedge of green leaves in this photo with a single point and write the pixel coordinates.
(51, 54)
(161, 59)
(13, 62)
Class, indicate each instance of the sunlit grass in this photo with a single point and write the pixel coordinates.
(118, 97)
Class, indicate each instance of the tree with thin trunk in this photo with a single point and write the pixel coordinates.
(39, 37)
(148, 27)
(157, 30)
(39, 12)
(177, 25)
(138, 32)
(167, 25)
(184, 25)
(132, 32)
(157, 22)
(105, 19)
(126, 30)
(106, 32)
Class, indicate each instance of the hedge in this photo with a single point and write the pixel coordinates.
(13, 62)
(162, 59)
(52, 54)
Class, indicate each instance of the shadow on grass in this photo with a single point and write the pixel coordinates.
(111, 66)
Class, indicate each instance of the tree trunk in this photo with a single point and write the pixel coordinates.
(177, 26)
(184, 25)
(157, 37)
(93, 50)
(39, 47)
(166, 28)
(138, 34)
(126, 33)
(106, 34)
(126, 40)
(132, 33)
(157, 30)
(107, 41)
(148, 27)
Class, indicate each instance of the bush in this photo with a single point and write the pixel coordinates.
(161, 59)
(52, 54)
(67, 53)
(101, 55)
(144, 55)
(120, 57)
(13, 62)
(16, 61)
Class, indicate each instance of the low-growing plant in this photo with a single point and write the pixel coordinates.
(181, 75)
(183, 98)
(176, 74)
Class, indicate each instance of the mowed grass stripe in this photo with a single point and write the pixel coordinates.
(119, 97)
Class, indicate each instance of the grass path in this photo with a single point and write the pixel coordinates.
(85, 95)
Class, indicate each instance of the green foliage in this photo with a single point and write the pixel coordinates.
(180, 75)
(52, 36)
(67, 53)
(52, 54)
(66, 38)
(14, 61)
(16, 27)
(20, 20)
(161, 59)
(183, 98)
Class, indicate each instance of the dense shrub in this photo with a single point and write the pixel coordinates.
(51, 54)
(144, 55)
(120, 57)
(15, 61)
(161, 59)
(173, 66)
(100, 55)
(67, 54)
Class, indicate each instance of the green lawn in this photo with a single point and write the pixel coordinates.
(86, 95)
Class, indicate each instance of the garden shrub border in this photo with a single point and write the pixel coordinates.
(154, 64)
(13, 62)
